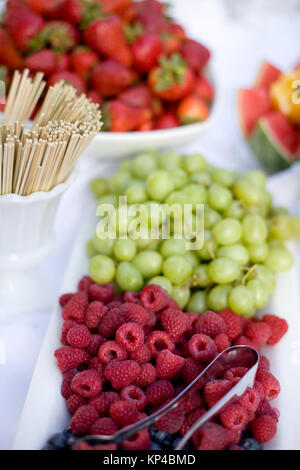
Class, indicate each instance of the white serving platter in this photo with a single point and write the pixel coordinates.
(45, 411)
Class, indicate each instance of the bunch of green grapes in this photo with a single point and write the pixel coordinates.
(244, 235)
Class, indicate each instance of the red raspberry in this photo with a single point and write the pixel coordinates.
(270, 384)
(64, 299)
(278, 327)
(104, 427)
(66, 390)
(135, 395)
(123, 412)
(70, 358)
(158, 341)
(111, 350)
(264, 428)
(250, 400)
(146, 376)
(159, 392)
(102, 292)
(168, 365)
(214, 391)
(234, 372)
(264, 363)
(210, 324)
(191, 370)
(135, 313)
(87, 383)
(110, 323)
(79, 336)
(140, 441)
(75, 401)
(83, 419)
(154, 297)
(141, 355)
(192, 401)
(235, 447)
(260, 389)
(97, 365)
(233, 322)
(67, 325)
(75, 308)
(103, 402)
(215, 437)
(84, 284)
(121, 373)
(234, 417)
(132, 297)
(190, 419)
(151, 322)
(86, 446)
(265, 408)
(130, 336)
(174, 322)
(114, 304)
(222, 342)
(172, 304)
(202, 348)
(258, 333)
(243, 340)
(94, 314)
(172, 421)
(94, 344)
(181, 346)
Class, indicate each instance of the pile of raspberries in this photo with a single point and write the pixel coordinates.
(124, 357)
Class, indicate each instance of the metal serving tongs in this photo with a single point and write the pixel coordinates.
(236, 356)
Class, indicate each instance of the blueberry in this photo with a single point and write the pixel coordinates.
(70, 438)
(49, 447)
(58, 441)
(251, 444)
(155, 446)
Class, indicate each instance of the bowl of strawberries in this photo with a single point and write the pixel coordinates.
(153, 83)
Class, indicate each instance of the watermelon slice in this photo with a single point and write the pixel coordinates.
(253, 103)
(267, 74)
(275, 142)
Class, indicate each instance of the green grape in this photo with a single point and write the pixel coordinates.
(181, 295)
(211, 217)
(173, 247)
(192, 258)
(129, 277)
(197, 302)
(255, 229)
(279, 259)
(90, 249)
(179, 178)
(259, 292)
(193, 163)
(119, 182)
(143, 165)
(219, 197)
(241, 300)
(249, 194)
(99, 186)
(125, 249)
(136, 193)
(235, 210)
(258, 253)
(177, 197)
(169, 161)
(281, 227)
(276, 210)
(200, 277)
(217, 298)
(275, 244)
(147, 244)
(103, 246)
(111, 199)
(149, 263)
(208, 251)
(159, 185)
(224, 177)
(265, 275)
(201, 177)
(223, 270)
(126, 165)
(236, 252)
(162, 282)
(196, 194)
(227, 232)
(257, 178)
(102, 269)
(177, 269)
(296, 226)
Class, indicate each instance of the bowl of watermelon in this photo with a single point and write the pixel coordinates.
(269, 115)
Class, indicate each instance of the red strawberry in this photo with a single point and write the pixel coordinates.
(9, 55)
(82, 61)
(63, 62)
(110, 77)
(51, 8)
(203, 89)
(166, 121)
(82, 11)
(69, 77)
(171, 43)
(146, 51)
(138, 96)
(195, 54)
(192, 109)
(177, 30)
(116, 6)
(151, 14)
(22, 23)
(43, 61)
(172, 80)
(119, 117)
(107, 37)
(60, 36)
(94, 96)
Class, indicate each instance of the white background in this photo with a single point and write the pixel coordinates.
(239, 45)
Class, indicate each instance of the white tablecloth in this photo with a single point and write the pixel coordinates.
(238, 49)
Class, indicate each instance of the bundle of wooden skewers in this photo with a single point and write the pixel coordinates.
(41, 156)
